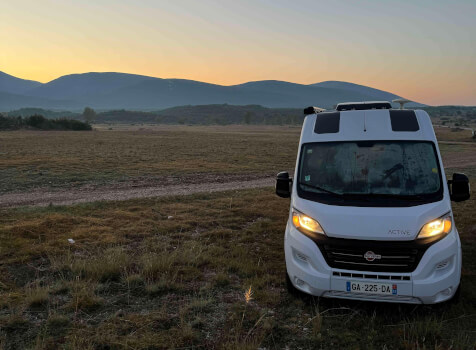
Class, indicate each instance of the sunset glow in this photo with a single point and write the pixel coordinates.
(424, 51)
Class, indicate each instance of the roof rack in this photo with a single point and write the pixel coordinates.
(359, 106)
(313, 110)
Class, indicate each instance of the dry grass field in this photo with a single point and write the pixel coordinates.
(145, 153)
(32, 159)
(454, 134)
(201, 271)
(137, 279)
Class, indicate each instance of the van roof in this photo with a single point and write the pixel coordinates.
(368, 124)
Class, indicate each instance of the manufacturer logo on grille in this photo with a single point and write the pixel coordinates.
(371, 256)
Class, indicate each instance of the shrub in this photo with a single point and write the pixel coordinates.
(37, 121)
(42, 123)
(71, 124)
(10, 123)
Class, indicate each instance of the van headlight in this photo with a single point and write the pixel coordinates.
(306, 224)
(440, 226)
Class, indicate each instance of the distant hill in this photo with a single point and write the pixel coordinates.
(202, 114)
(207, 114)
(13, 85)
(9, 101)
(85, 86)
(129, 91)
(379, 95)
(222, 114)
(468, 112)
(28, 112)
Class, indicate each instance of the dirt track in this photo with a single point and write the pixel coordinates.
(168, 186)
(45, 197)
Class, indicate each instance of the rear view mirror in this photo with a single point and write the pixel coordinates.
(459, 187)
(283, 185)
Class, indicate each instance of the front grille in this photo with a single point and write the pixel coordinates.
(392, 256)
(374, 297)
(371, 276)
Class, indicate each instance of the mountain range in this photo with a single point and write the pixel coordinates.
(106, 91)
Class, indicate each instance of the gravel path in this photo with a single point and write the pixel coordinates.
(45, 197)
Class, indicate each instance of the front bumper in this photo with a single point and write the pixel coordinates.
(435, 279)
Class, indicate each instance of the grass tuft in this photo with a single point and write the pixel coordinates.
(221, 280)
(135, 282)
(37, 297)
(161, 287)
(57, 325)
(83, 297)
(105, 266)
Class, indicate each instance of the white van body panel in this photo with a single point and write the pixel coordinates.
(375, 122)
(371, 223)
(437, 276)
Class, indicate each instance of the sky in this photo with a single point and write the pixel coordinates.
(423, 50)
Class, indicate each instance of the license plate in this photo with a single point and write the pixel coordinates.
(371, 288)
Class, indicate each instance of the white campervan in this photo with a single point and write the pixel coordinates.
(370, 215)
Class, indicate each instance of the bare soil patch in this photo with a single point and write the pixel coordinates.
(168, 186)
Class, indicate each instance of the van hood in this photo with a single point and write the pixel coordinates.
(382, 223)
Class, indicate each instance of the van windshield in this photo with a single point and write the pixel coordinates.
(396, 172)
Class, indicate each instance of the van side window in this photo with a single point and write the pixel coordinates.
(327, 123)
(403, 120)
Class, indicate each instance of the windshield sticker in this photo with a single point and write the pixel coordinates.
(434, 170)
(309, 150)
(307, 178)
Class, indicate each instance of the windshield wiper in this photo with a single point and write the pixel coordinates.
(415, 197)
(320, 189)
(366, 196)
(393, 169)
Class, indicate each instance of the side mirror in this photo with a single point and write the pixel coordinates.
(459, 187)
(283, 185)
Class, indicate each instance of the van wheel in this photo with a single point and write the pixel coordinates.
(457, 296)
(454, 300)
(290, 287)
(297, 293)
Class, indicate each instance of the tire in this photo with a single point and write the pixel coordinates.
(457, 296)
(289, 284)
(291, 289)
(299, 294)
(455, 299)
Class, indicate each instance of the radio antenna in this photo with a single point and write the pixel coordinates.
(401, 101)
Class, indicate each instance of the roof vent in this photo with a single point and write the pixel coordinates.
(359, 106)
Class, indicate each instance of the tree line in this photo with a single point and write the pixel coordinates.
(38, 122)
